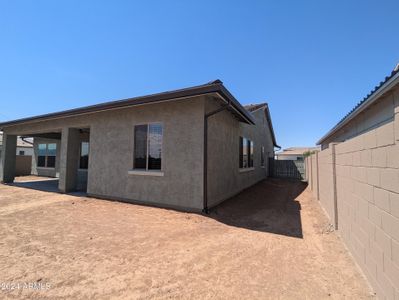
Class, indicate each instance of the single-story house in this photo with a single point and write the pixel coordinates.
(24, 146)
(187, 149)
(295, 153)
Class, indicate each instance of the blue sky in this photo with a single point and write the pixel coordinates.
(312, 61)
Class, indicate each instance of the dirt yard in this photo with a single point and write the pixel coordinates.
(270, 242)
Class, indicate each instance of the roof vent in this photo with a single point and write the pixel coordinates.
(396, 68)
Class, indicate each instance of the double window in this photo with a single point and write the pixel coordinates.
(46, 155)
(148, 146)
(246, 153)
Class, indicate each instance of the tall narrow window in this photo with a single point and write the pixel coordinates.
(251, 154)
(262, 156)
(46, 155)
(246, 156)
(140, 146)
(148, 146)
(241, 152)
(41, 155)
(84, 155)
(154, 146)
(51, 154)
(245, 153)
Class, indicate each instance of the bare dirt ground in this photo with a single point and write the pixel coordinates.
(270, 242)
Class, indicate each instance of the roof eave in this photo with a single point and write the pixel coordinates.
(214, 87)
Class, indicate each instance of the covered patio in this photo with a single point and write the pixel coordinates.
(57, 154)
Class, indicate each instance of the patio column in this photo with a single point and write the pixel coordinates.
(8, 155)
(69, 156)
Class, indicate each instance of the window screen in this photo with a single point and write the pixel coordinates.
(154, 146)
(41, 155)
(148, 140)
(140, 146)
(246, 157)
(51, 153)
(251, 154)
(245, 153)
(241, 152)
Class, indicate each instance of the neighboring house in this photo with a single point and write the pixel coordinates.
(356, 179)
(295, 153)
(188, 149)
(24, 146)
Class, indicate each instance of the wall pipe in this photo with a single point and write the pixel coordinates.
(205, 184)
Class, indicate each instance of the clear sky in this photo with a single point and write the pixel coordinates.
(312, 61)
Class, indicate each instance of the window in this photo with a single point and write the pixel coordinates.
(262, 156)
(46, 155)
(21, 152)
(84, 155)
(148, 146)
(246, 153)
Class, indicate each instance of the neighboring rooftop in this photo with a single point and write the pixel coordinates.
(253, 107)
(388, 82)
(20, 141)
(297, 150)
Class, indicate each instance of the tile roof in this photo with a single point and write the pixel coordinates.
(297, 150)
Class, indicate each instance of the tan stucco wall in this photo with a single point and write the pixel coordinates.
(367, 191)
(111, 152)
(224, 177)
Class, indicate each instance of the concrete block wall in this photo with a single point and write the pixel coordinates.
(326, 182)
(315, 180)
(367, 199)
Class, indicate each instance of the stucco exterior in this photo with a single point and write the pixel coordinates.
(180, 185)
(225, 178)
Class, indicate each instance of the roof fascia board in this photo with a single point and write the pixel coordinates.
(248, 120)
(43, 118)
(138, 101)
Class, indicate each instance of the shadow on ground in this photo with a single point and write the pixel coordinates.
(268, 206)
(47, 185)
